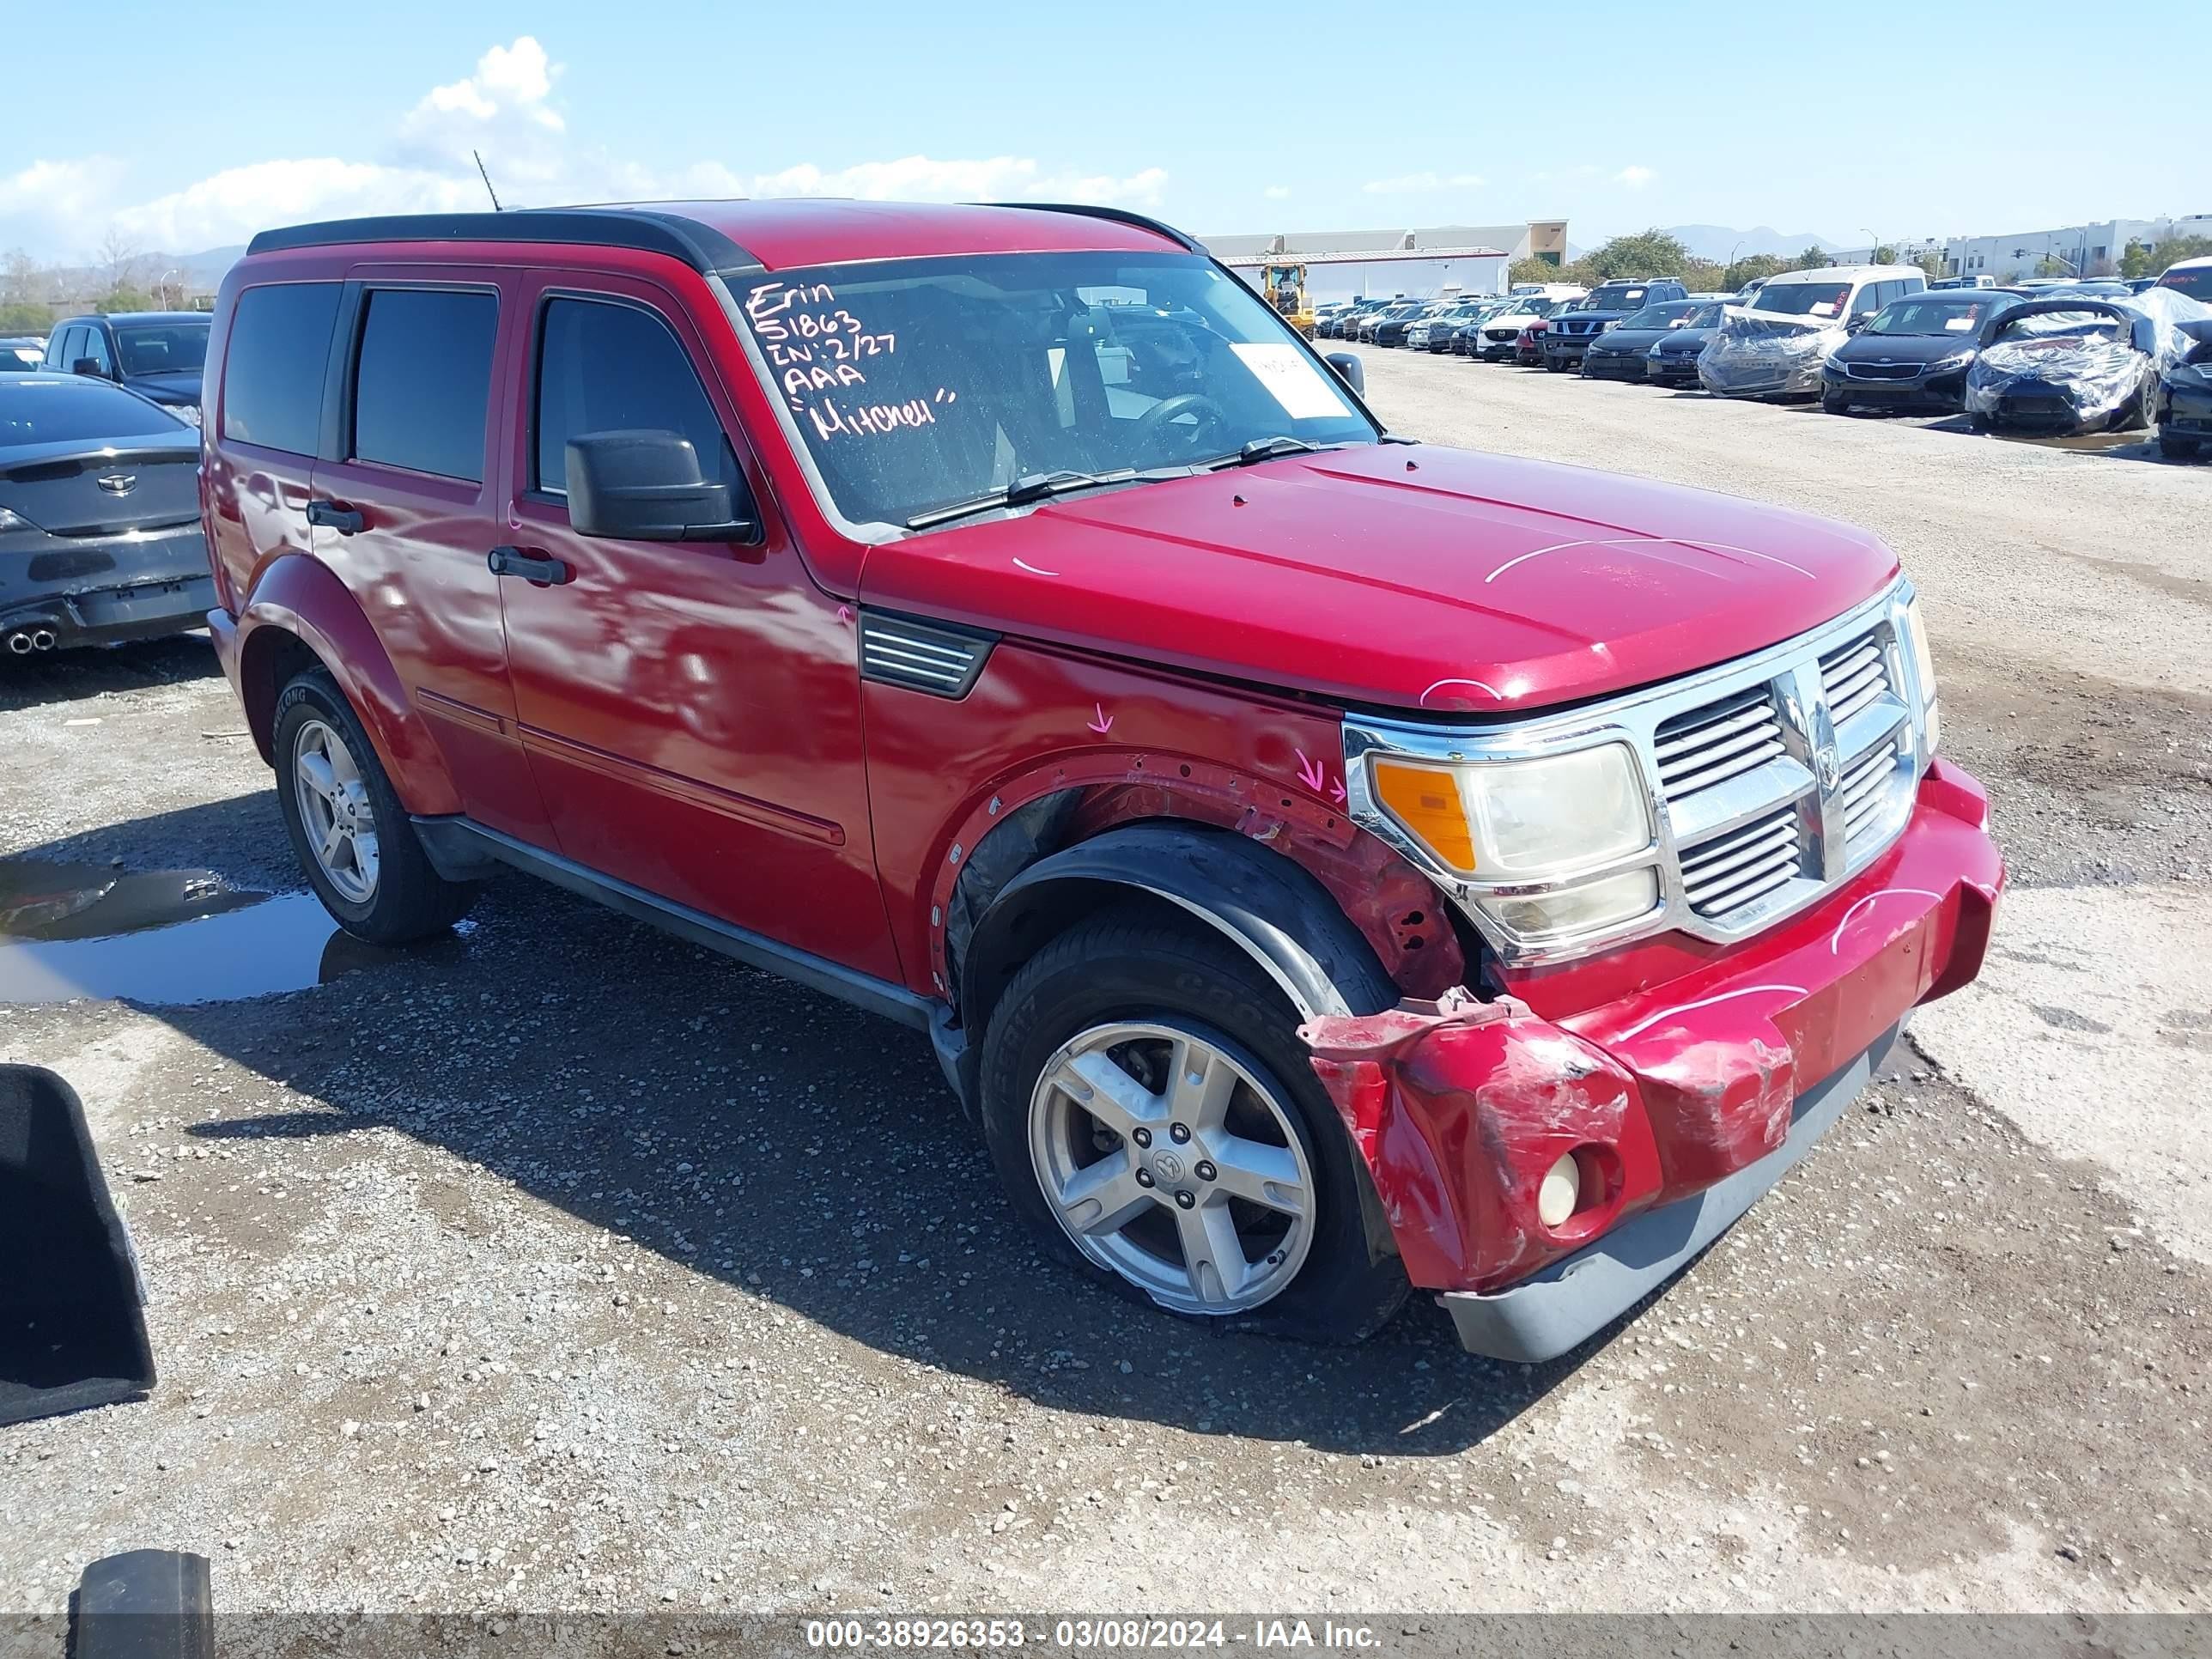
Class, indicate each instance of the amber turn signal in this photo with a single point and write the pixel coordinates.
(1426, 800)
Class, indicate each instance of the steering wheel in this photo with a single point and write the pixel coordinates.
(1208, 420)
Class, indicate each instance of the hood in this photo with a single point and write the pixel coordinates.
(1689, 341)
(176, 385)
(1401, 576)
(1631, 339)
(1902, 348)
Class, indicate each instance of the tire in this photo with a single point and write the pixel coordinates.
(2141, 413)
(1553, 365)
(2179, 449)
(379, 884)
(1834, 403)
(1115, 994)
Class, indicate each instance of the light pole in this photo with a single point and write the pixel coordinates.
(161, 287)
(1874, 241)
(1730, 271)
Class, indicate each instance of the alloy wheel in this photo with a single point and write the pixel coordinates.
(1168, 1162)
(336, 810)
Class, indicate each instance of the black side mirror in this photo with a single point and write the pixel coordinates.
(645, 486)
(1350, 370)
(89, 366)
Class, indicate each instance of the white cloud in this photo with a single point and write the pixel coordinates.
(1418, 184)
(1277, 192)
(1634, 178)
(505, 108)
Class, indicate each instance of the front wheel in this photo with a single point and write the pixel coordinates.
(1157, 1123)
(353, 836)
(1834, 403)
(1556, 365)
(2178, 449)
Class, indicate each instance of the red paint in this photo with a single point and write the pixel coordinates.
(690, 717)
(1456, 1108)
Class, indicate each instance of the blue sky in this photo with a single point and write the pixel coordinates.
(1908, 120)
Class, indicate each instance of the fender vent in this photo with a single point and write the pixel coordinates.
(932, 657)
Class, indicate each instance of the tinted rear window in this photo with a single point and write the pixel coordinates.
(162, 348)
(49, 411)
(2195, 282)
(272, 381)
(424, 380)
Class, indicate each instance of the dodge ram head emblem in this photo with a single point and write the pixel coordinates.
(1829, 766)
(118, 484)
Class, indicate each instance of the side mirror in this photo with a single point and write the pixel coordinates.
(1857, 321)
(645, 486)
(89, 367)
(1350, 370)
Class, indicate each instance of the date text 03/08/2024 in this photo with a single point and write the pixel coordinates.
(1086, 1635)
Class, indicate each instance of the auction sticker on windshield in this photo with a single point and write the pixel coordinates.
(1291, 378)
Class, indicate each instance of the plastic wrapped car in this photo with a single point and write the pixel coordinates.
(1761, 357)
(2184, 397)
(2066, 366)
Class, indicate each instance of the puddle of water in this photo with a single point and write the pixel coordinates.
(163, 937)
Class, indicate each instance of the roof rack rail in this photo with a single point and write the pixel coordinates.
(701, 246)
(1118, 215)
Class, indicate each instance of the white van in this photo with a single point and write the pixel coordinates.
(1548, 291)
(1775, 342)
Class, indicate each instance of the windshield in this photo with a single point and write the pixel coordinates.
(162, 348)
(1659, 316)
(1803, 299)
(1934, 314)
(70, 412)
(2195, 282)
(1617, 299)
(916, 384)
(1706, 316)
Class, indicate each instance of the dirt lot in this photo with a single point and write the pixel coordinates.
(564, 1266)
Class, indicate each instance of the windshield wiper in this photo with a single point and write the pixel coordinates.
(1264, 449)
(1038, 487)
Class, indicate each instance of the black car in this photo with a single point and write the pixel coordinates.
(1623, 352)
(1390, 327)
(159, 354)
(1673, 359)
(1572, 330)
(99, 517)
(1346, 325)
(2185, 397)
(1913, 353)
(2050, 368)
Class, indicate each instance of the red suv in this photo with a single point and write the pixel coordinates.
(1324, 864)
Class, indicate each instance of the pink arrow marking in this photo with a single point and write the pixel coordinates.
(1104, 723)
(845, 613)
(1336, 792)
(1310, 772)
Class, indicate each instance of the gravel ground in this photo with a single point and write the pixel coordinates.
(567, 1267)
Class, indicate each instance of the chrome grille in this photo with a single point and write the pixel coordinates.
(1774, 780)
(1720, 741)
(1853, 678)
(1865, 787)
(1744, 866)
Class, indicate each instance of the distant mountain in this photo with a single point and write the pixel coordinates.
(205, 270)
(1714, 242)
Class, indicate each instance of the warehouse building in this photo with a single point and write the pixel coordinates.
(1353, 264)
(2076, 250)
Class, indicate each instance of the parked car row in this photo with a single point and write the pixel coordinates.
(2046, 357)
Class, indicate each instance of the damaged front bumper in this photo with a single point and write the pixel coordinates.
(1676, 1091)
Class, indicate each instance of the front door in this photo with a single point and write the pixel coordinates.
(691, 710)
(407, 517)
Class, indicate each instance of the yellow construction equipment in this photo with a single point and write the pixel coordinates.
(1285, 286)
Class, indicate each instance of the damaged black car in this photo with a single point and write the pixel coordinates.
(100, 532)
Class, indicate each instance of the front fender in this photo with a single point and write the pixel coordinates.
(299, 598)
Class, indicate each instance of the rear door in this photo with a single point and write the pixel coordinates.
(405, 514)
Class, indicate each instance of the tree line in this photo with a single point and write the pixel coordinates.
(125, 276)
(1656, 253)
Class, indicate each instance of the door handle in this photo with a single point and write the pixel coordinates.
(531, 567)
(346, 521)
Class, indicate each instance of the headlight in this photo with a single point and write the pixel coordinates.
(1924, 669)
(15, 520)
(1956, 359)
(1523, 820)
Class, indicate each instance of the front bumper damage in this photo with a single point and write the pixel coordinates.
(1681, 1100)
